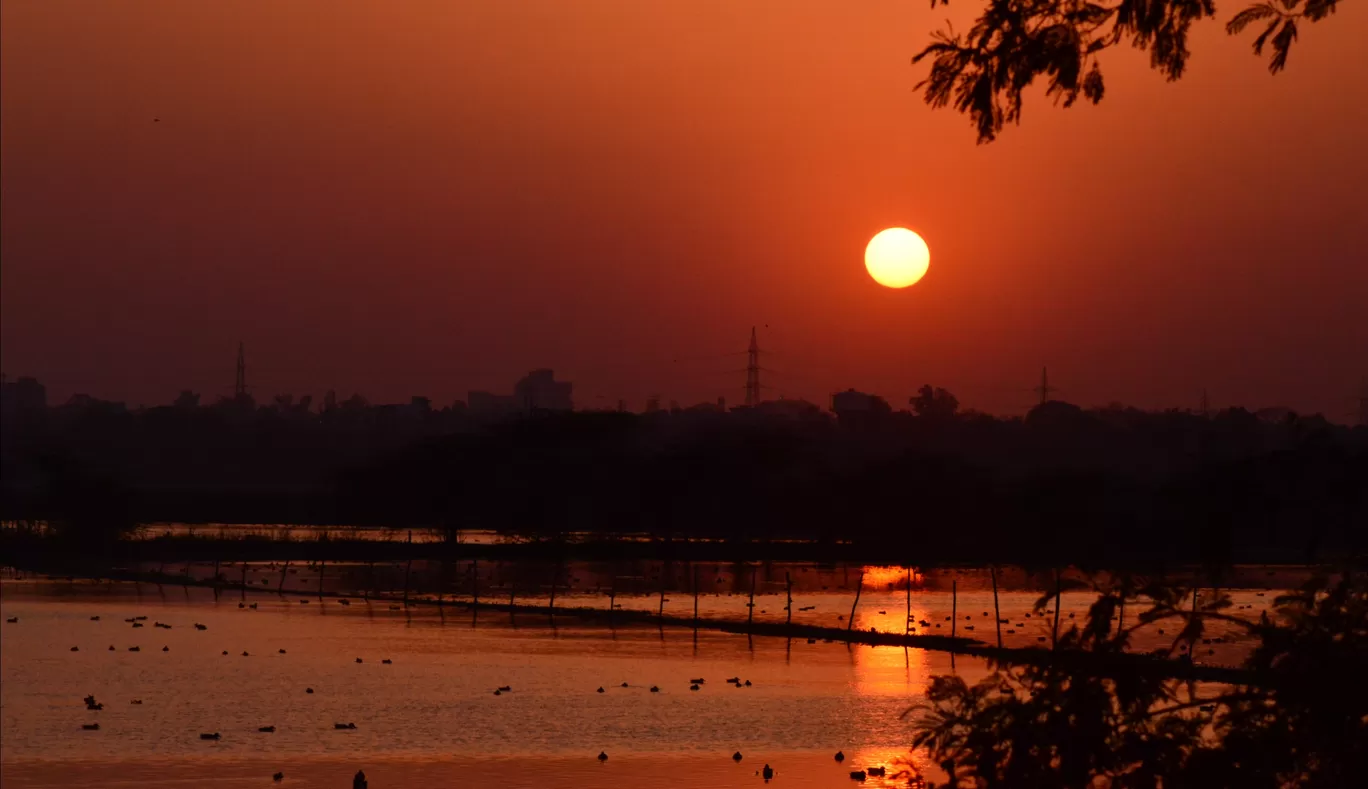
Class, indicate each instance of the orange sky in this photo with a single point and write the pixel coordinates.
(428, 197)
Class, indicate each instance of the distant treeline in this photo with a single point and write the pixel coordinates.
(1061, 484)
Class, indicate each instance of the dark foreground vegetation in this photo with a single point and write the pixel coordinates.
(1297, 718)
(1062, 485)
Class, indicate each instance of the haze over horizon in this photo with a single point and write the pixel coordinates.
(429, 198)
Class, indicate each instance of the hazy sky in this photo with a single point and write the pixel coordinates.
(428, 197)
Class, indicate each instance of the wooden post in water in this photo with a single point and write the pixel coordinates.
(407, 568)
(322, 568)
(788, 590)
(661, 613)
(370, 580)
(475, 581)
(216, 578)
(244, 580)
(695, 591)
(750, 614)
(997, 612)
(1059, 597)
(555, 575)
(954, 609)
(280, 589)
(859, 585)
(612, 598)
(907, 625)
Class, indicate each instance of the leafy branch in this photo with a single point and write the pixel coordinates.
(984, 72)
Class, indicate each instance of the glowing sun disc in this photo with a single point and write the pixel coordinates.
(897, 257)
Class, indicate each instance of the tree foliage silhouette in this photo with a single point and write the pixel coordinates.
(1015, 42)
(1299, 720)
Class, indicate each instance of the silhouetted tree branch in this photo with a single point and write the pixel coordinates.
(1014, 42)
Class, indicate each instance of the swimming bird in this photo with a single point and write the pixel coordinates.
(840, 757)
(623, 685)
(602, 757)
(90, 726)
(94, 619)
(506, 688)
(136, 701)
(734, 680)
(498, 693)
(278, 777)
(166, 649)
(137, 624)
(340, 726)
(655, 689)
(198, 626)
(134, 649)
(767, 773)
(600, 690)
(697, 681)
(857, 775)
(75, 649)
(748, 683)
(111, 647)
(358, 660)
(875, 771)
(308, 690)
(736, 757)
(693, 687)
(281, 651)
(244, 653)
(14, 620)
(266, 729)
(213, 736)
(386, 661)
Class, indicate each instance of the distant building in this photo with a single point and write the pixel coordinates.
(851, 402)
(540, 391)
(787, 409)
(22, 395)
(487, 404)
(84, 402)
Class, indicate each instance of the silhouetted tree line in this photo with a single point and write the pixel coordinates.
(1063, 483)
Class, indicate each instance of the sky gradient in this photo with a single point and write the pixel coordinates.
(431, 197)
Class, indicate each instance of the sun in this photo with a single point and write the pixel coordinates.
(897, 257)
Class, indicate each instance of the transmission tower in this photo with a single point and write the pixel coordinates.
(753, 372)
(1045, 390)
(240, 385)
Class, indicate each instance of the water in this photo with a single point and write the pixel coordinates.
(432, 713)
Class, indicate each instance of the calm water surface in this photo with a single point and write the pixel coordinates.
(433, 708)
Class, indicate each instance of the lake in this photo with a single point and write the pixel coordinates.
(431, 715)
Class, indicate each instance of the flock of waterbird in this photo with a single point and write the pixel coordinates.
(695, 684)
